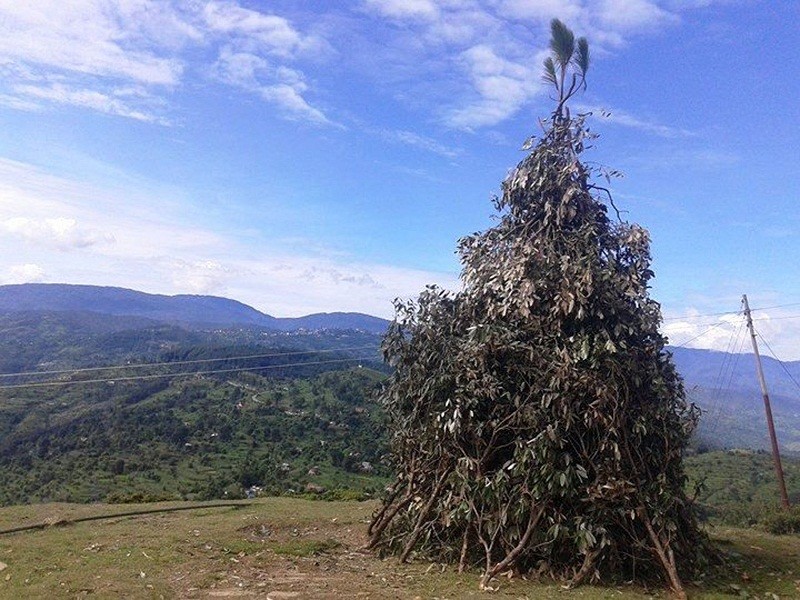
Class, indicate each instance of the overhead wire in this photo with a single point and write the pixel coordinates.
(731, 312)
(780, 362)
(41, 384)
(717, 314)
(721, 374)
(701, 334)
(777, 318)
(735, 353)
(776, 306)
(182, 362)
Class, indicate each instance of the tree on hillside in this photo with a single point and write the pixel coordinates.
(537, 422)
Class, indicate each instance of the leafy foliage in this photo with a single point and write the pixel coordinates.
(738, 487)
(783, 522)
(537, 422)
(197, 438)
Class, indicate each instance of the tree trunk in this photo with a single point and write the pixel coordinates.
(517, 550)
(665, 555)
(422, 516)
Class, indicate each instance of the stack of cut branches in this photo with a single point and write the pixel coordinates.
(537, 422)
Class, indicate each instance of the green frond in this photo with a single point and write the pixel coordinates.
(550, 71)
(581, 59)
(562, 42)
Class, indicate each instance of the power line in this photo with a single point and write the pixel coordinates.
(718, 314)
(182, 362)
(714, 324)
(184, 374)
(754, 320)
(776, 306)
(777, 318)
(701, 334)
(732, 363)
(732, 312)
(780, 362)
(710, 323)
(736, 353)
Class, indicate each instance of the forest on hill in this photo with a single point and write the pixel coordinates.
(193, 438)
(117, 407)
(310, 428)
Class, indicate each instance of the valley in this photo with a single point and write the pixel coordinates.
(115, 407)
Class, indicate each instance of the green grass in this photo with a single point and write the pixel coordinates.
(739, 486)
(313, 548)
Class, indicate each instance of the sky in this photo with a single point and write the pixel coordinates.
(304, 156)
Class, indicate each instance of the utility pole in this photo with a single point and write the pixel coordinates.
(772, 437)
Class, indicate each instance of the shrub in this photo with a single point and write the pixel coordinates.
(783, 521)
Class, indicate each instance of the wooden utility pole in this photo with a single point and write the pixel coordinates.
(776, 455)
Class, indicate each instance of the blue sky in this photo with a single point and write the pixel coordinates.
(306, 156)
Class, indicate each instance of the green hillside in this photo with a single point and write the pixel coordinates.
(281, 428)
(738, 487)
(189, 438)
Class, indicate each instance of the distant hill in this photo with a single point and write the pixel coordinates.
(192, 310)
(726, 388)
(54, 326)
(704, 368)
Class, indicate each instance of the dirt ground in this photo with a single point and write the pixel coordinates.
(283, 549)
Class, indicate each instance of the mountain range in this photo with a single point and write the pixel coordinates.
(190, 310)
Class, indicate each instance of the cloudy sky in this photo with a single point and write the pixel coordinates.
(304, 156)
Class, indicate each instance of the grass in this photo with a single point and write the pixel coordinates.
(308, 547)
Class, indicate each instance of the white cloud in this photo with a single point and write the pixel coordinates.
(270, 33)
(91, 37)
(626, 119)
(88, 98)
(80, 53)
(697, 332)
(281, 85)
(160, 247)
(294, 285)
(48, 211)
(426, 9)
(199, 276)
(486, 55)
(416, 140)
(502, 87)
(86, 53)
(633, 15)
(727, 333)
(18, 103)
(254, 54)
(542, 10)
(27, 273)
(61, 233)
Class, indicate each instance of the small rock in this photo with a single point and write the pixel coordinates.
(3, 566)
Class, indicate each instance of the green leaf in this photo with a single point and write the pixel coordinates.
(581, 60)
(549, 72)
(562, 42)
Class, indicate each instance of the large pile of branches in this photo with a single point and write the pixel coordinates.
(537, 422)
